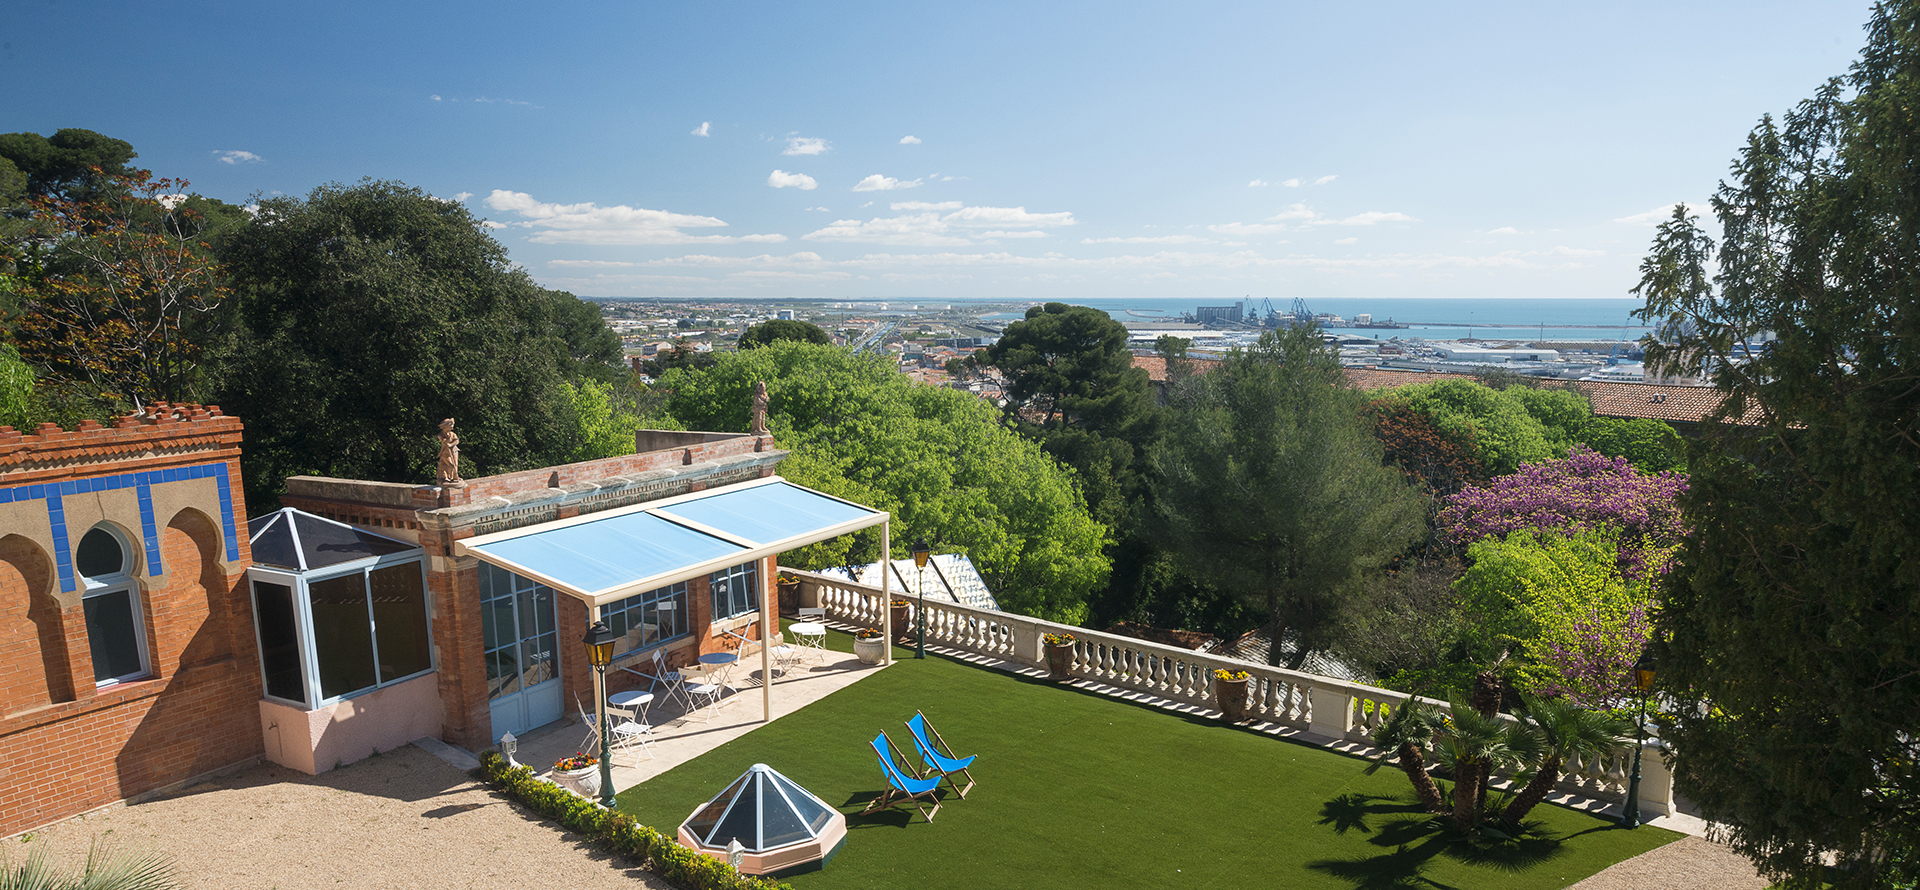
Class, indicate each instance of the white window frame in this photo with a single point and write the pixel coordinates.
(748, 569)
(116, 582)
(303, 615)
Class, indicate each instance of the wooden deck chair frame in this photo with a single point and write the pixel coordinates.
(933, 744)
(901, 783)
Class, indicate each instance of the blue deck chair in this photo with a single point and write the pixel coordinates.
(931, 746)
(902, 787)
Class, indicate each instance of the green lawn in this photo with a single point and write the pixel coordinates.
(1079, 790)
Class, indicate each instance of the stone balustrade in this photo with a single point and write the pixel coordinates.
(1321, 709)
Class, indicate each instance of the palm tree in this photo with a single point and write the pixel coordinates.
(1476, 746)
(1406, 734)
(1568, 732)
(106, 869)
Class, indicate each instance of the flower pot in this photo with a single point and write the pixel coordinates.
(584, 781)
(902, 621)
(869, 651)
(1233, 698)
(790, 598)
(1060, 661)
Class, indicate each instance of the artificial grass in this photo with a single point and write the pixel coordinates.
(1081, 790)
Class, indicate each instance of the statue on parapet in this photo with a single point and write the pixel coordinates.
(759, 417)
(449, 475)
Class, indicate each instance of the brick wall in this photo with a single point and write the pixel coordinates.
(65, 746)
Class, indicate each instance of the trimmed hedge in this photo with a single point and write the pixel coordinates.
(617, 832)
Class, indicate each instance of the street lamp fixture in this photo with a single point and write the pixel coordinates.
(600, 640)
(920, 553)
(1643, 681)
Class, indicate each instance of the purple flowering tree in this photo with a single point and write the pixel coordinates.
(1585, 491)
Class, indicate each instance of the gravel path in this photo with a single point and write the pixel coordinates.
(405, 819)
(1690, 863)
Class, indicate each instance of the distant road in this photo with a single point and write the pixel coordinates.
(875, 338)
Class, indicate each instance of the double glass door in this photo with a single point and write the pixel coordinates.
(522, 651)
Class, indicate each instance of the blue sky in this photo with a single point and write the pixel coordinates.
(986, 149)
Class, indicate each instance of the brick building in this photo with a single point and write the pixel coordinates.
(127, 660)
(675, 546)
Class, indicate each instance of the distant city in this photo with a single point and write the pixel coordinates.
(1576, 339)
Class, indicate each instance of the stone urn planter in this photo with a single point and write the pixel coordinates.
(584, 781)
(869, 649)
(789, 597)
(902, 619)
(1232, 690)
(1059, 655)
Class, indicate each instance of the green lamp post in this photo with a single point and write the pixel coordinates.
(599, 642)
(1643, 681)
(920, 552)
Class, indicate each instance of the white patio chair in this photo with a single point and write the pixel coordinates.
(816, 642)
(592, 744)
(700, 696)
(629, 735)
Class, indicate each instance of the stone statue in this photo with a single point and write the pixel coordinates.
(759, 422)
(449, 455)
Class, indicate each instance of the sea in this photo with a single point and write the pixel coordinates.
(1436, 318)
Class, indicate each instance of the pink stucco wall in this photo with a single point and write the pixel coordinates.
(342, 733)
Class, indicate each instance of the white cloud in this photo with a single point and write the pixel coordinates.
(821, 209)
(1293, 183)
(1296, 211)
(1373, 216)
(1007, 216)
(705, 129)
(238, 157)
(1652, 217)
(1504, 230)
(1241, 230)
(592, 224)
(781, 179)
(1326, 179)
(878, 183)
(435, 97)
(500, 101)
(169, 201)
(462, 196)
(928, 227)
(1347, 241)
(1258, 183)
(1146, 239)
(918, 230)
(804, 145)
(1575, 251)
(493, 225)
(909, 140)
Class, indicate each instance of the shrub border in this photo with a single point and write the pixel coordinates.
(616, 832)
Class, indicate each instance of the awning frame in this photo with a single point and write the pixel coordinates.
(662, 509)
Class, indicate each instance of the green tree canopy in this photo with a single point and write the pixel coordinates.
(1791, 623)
(1272, 487)
(937, 459)
(784, 329)
(55, 165)
(363, 315)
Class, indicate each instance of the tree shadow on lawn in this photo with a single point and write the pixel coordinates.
(1416, 838)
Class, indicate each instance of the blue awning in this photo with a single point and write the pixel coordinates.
(603, 557)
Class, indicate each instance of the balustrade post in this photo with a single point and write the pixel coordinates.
(1027, 647)
(1332, 713)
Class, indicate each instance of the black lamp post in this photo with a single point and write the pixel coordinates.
(1643, 681)
(600, 652)
(920, 551)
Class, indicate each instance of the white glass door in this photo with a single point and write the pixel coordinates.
(522, 651)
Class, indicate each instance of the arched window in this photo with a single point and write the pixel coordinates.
(115, 632)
